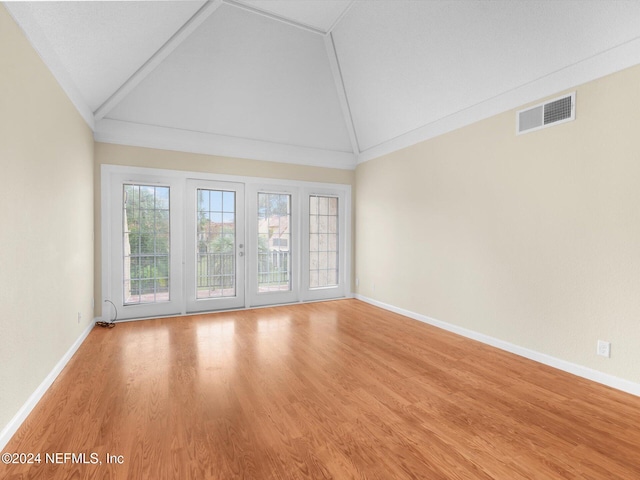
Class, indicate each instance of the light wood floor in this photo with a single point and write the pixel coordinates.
(327, 390)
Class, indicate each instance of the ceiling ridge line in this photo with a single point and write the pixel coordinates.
(341, 90)
(163, 52)
(340, 17)
(276, 17)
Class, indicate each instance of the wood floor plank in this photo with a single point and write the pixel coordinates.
(331, 390)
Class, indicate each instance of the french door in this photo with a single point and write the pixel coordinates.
(215, 250)
(175, 244)
(274, 250)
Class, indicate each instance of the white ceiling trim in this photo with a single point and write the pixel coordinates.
(599, 65)
(156, 59)
(31, 29)
(273, 16)
(163, 138)
(342, 94)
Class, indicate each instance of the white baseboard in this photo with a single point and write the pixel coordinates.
(12, 427)
(575, 369)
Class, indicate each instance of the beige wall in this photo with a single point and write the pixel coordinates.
(46, 221)
(109, 154)
(532, 239)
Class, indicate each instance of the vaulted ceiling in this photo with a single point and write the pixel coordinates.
(320, 82)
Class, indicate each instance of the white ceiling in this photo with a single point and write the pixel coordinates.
(322, 82)
(101, 44)
(244, 75)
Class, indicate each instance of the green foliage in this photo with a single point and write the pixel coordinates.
(222, 244)
(146, 220)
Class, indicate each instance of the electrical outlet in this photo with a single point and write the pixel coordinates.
(79, 317)
(604, 348)
(373, 286)
(357, 282)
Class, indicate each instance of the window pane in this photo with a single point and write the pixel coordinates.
(216, 234)
(313, 205)
(215, 204)
(146, 248)
(274, 219)
(162, 199)
(332, 243)
(333, 207)
(323, 241)
(228, 202)
(323, 205)
(203, 200)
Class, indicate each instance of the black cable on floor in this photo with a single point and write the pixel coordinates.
(105, 324)
(110, 323)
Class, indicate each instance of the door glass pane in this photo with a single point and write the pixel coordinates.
(274, 242)
(216, 248)
(323, 241)
(146, 245)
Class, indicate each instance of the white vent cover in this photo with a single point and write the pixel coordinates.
(556, 111)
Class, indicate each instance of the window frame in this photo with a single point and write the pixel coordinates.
(344, 243)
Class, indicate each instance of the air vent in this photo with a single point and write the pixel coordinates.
(558, 110)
